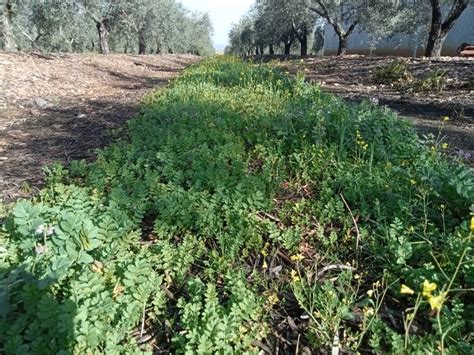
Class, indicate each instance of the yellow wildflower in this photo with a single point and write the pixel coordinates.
(273, 299)
(428, 288)
(369, 311)
(436, 302)
(405, 290)
(297, 257)
(264, 251)
(264, 265)
(370, 293)
(445, 145)
(445, 118)
(413, 182)
(472, 224)
(294, 276)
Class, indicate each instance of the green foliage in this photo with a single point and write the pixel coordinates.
(241, 198)
(434, 81)
(219, 323)
(398, 74)
(147, 26)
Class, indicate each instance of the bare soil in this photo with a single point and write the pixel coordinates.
(58, 107)
(351, 78)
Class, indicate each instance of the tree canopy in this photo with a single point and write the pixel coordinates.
(291, 24)
(143, 26)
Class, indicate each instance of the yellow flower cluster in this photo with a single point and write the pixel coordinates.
(297, 257)
(428, 288)
(405, 290)
(294, 276)
(360, 141)
(273, 299)
(368, 311)
(472, 224)
(435, 302)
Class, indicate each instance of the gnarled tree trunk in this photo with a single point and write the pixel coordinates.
(303, 39)
(141, 44)
(439, 30)
(288, 40)
(271, 49)
(343, 37)
(342, 47)
(319, 34)
(9, 42)
(103, 37)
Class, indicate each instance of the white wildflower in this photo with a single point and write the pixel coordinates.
(374, 100)
(41, 249)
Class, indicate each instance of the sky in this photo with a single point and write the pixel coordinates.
(223, 13)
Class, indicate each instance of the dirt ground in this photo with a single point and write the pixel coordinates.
(58, 107)
(351, 78)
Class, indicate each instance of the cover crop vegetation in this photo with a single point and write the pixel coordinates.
(245, 210)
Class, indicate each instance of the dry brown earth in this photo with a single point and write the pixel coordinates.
(58, 107)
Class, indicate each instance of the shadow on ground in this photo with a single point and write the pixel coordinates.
(68, 132)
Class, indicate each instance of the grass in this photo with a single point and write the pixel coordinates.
(245, 210)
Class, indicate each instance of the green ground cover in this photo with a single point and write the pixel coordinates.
(245, 210)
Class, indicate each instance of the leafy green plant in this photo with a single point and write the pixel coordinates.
(434, 81)
(200, 231)
(396, 73)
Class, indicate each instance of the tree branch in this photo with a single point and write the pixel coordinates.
(351, 28)
(458, 7)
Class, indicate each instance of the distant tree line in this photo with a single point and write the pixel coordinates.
(299, 25)
(124, 26)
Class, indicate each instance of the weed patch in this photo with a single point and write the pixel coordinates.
(246, 210)
(398, 75)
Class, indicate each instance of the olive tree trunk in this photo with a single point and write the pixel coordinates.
(7, 35)
(103, 37)
(439, 30)
(141, 44)
(271, 50)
